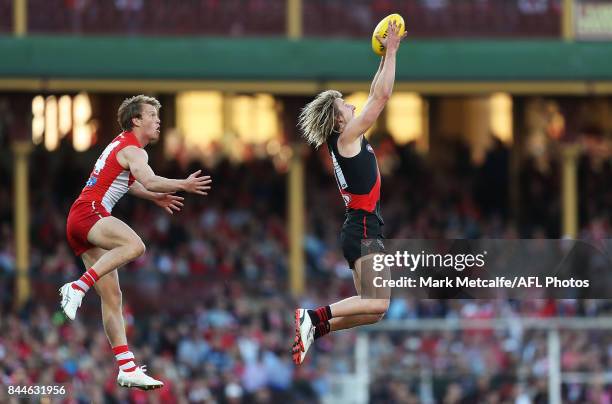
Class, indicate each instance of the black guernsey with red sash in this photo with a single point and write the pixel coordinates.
(358, 180)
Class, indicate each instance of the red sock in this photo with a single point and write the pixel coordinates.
(125, 358)
(322, 329)
(320, 315)
(86, 281)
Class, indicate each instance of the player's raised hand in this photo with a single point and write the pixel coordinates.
(169, 202)
(393, 38)
(197, 183)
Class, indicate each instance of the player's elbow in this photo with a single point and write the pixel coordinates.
(384, 97)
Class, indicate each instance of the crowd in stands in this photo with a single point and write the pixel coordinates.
(488, 366)
(208, 310)
(436, 18)
(237, 18)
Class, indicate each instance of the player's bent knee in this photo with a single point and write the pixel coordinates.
(381, 306)
(377, 306)
(141, 248)
(137, 248)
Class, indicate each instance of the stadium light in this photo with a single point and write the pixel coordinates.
(65, 115)
(226, 121)
(51, 130)
(52, 119)
(254, 118)
(38, 119)
(199, 117)
(83, 130)
(500, 106)
(405, 117)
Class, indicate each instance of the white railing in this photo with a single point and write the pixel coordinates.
(354, 388)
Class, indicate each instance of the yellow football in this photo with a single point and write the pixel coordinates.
(381, 31)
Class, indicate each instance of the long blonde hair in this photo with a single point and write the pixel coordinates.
(318, 118)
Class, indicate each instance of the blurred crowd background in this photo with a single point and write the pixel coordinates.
(208, 308)
(426, 18)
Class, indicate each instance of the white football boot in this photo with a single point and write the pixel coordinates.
(71, 300)
(138, 379)
(304, 335)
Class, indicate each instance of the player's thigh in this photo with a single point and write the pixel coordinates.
(359, 263)
(363, 277)
(110, 232)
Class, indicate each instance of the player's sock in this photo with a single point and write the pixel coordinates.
(86, 281)
(125, 358)
(322, 329)
(320, 315)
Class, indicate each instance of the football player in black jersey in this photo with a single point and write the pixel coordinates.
(330, 120)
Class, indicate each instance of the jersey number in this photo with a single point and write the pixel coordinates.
(102, 159)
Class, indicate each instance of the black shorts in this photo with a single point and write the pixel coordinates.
(361, 225)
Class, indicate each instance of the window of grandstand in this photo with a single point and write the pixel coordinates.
(212, 124)
(477, 121)
(83, 128)
(500, 105)
(51, 129)
(254, 118)
(65, 114)
(407, 119)
(199, 119)
(38, 119)
(53, 119)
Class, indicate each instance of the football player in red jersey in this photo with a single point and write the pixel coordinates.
(106, 243)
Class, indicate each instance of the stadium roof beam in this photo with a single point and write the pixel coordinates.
(305, 87)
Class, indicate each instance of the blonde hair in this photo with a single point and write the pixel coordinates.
(132, 108)
(318, 118)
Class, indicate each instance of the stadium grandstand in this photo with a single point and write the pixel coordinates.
(499, 127)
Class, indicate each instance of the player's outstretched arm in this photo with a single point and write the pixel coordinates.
(380, 91)
(376, 76)
(136, 161)
(169, 202)
(138, 190)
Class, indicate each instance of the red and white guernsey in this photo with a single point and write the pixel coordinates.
(108, 181)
